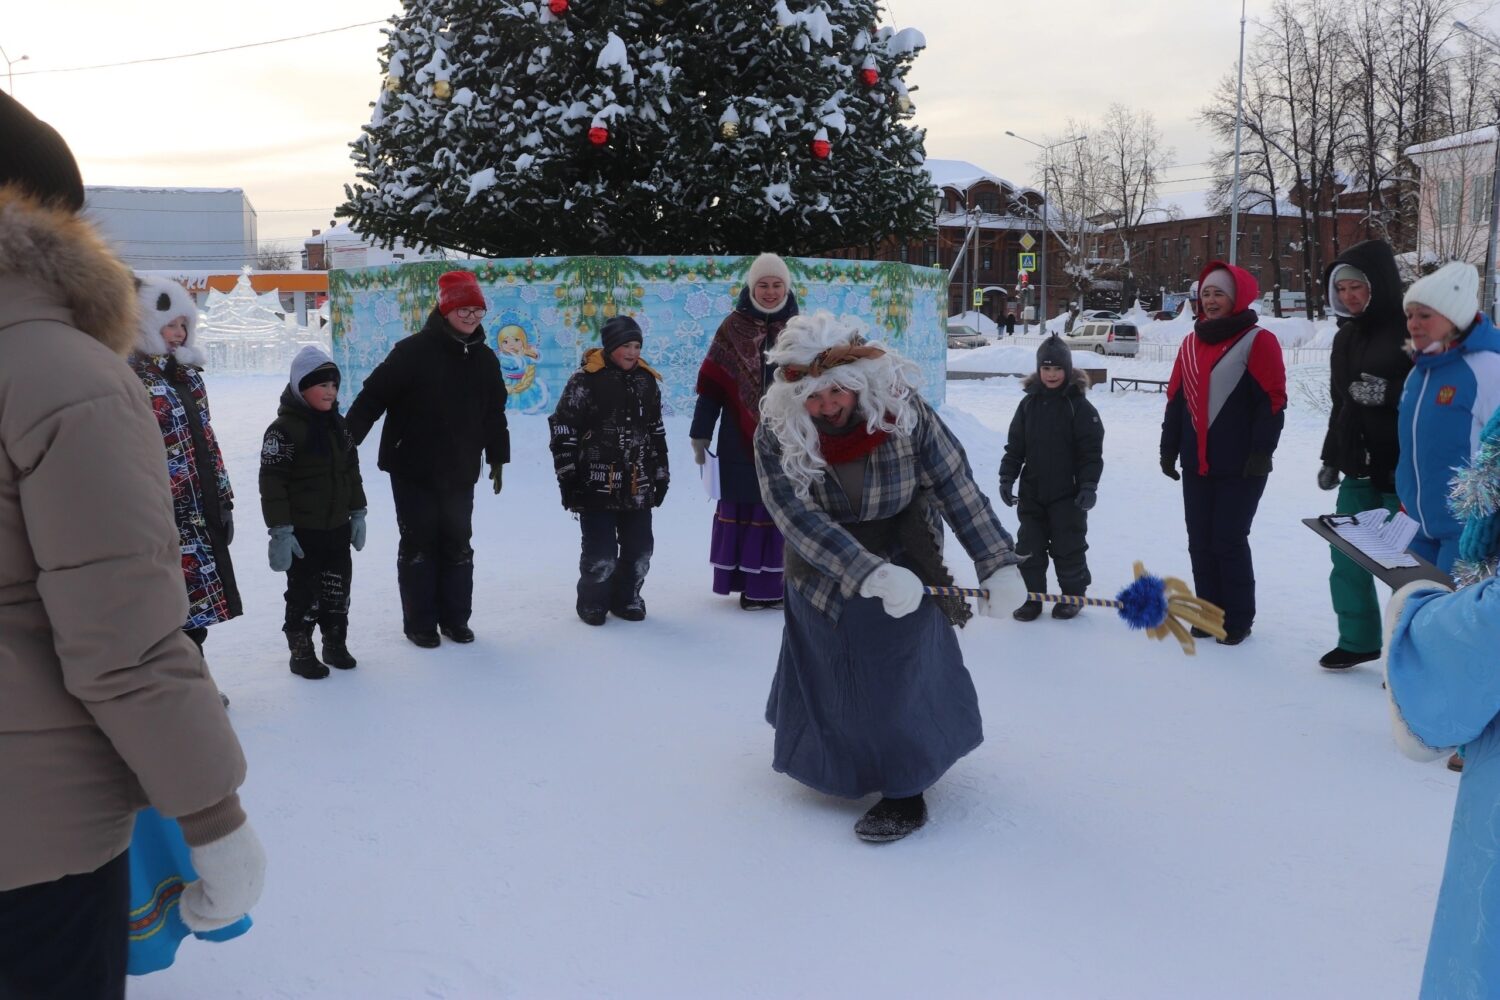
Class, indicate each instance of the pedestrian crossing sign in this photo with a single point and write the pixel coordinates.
(1028, 262)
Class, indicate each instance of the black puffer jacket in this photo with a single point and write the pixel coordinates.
(609, 446)
(1056, 441)
(309, 468)
(1362, 439)
(444, 403)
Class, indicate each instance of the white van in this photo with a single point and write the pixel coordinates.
(1105, 337)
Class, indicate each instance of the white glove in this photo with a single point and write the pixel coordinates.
(700, 449)
(231, 873)
(1007, 592)
(898, 588)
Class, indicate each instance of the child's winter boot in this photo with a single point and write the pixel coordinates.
(335, 652)
(1065, 612)
(1028, 612)
(304, 662)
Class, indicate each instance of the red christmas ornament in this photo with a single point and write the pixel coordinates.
(869, 76)
(558, 7)
(598, 135)
(821, 147)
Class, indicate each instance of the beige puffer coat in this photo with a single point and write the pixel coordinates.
(105, 705)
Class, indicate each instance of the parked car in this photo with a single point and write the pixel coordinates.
(1089, 314)
(1105, 337)
(965, 339)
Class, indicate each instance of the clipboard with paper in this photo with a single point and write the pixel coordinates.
(1376, 541)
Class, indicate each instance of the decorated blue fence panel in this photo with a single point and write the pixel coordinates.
(544, 312)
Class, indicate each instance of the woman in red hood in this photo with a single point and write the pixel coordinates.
(1226, 403)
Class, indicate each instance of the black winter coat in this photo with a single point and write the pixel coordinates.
(444, 405)
(309, 468)
(609, 446)
(1056, 441)
(1362, 439)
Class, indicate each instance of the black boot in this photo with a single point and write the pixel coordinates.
(892, 819)
(1028, 612)
(1066, 612)
(1339, 658)
(753, 604)
(304, 662)
(458, 633)
(427, 640)
(633, 610)
(335, 652)
(591, 616)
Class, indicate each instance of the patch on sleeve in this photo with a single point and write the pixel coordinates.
(276, 449)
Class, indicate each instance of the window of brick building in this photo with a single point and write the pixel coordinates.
(1479, 197)
(1219, 245)
(1255, 244)
(989, 260)
(1449, 194)
(905, 253)
(932, 255)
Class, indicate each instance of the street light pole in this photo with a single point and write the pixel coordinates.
(10, 77)
(1046, 210)
(1239, 119)
(1490, 261)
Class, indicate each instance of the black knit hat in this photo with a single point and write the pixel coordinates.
(1055, 351)
(326, 372)
(619, 331)
(35, 158)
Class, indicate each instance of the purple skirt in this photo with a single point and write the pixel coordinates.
(745, 551)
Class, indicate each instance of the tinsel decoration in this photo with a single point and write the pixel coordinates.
(393, 83)
(729, 123)
(442, 89)
(1474, 499)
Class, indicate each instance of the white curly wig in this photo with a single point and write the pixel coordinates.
(884, 386)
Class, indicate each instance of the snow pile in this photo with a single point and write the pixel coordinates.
(971, 320)
(1011, 359)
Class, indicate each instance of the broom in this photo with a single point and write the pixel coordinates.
(1159, 606)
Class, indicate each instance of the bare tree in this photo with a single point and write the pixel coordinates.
(1132, 159)
(1075, 175)
(275, 257)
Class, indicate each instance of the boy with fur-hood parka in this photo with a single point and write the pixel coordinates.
(1368, 368)
(105, 706)
(1056, 449)
(609, 449)
(169, 363)
(313, 499)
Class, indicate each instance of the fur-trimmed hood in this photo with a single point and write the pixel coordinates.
(62, 255)
(1078, 379)
(161, 301)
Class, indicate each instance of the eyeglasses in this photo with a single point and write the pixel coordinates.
(469, 312)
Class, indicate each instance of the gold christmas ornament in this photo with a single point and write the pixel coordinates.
(729, 130)
(903, 102)
(393, 83)
(442, 89)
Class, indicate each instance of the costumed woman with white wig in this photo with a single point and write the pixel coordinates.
(871, 695)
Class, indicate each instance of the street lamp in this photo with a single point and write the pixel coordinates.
(1046, 209)
(1490, 262)
(9, 76)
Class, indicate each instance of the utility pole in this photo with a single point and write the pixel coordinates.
(1490, 260)
(10, 76)
(1046, 210)
(1239, 120)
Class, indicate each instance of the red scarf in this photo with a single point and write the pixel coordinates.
(840, 448)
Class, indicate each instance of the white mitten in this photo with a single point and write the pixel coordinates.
(700, 449)
(898, 588)
(231, 873)
(1007, 592)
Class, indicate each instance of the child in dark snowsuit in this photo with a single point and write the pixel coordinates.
(609, 449)
(314, 503)
(1056, 450)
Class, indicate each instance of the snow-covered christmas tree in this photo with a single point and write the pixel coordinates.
(642, 127)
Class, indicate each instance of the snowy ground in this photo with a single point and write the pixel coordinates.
(564, 811)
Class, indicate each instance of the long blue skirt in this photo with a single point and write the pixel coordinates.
(872, 704)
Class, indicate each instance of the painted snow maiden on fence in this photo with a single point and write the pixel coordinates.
(1451, 393)
(169, 364)
(745, 548)
(1056, 449)
(1445, 693)
(609, 449)
(871, 694)
(1226, 404)
(1368, 368)
(313, 501)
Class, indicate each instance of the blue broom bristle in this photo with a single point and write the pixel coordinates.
(1143, 604)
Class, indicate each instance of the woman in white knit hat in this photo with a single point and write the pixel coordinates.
(871, 695)
(1451, 392)
(745, 547)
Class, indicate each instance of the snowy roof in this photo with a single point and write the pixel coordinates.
(337, 232)
(161, 190)
(1201, 205)
(962, 175)
(1474, 137)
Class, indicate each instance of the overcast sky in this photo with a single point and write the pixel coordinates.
(276, 120)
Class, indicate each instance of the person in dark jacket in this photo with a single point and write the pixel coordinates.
(314, 504)
(1056, 450)
(745, 548)
(444, 399)
(169, 363)
(609, 448)
(1368, 369)
(1226, 404)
